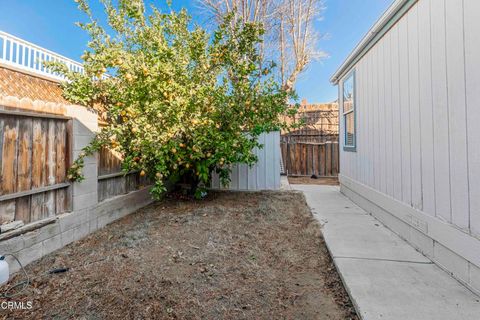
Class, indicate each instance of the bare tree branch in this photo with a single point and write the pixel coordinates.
(290, 36)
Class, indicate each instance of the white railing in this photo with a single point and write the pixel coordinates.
(29, 57)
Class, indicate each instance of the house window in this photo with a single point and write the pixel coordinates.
(349, 113)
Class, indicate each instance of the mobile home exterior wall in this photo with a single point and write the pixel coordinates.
(416, 160)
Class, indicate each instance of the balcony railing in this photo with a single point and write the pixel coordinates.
(26, 56)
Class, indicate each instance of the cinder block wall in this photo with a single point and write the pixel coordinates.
(87, 214)
(85, 124)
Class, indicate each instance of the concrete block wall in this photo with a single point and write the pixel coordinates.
(87, 214)
(85, 124)
(70, 227)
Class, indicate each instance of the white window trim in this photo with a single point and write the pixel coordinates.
(353, 147)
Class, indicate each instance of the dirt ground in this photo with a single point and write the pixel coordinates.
(309, 180)
(232, 256)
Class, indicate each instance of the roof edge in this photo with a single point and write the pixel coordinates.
(391, 16)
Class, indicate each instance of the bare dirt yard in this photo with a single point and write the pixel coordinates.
(232, 256)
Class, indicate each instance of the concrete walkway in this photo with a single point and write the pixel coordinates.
(385, 277)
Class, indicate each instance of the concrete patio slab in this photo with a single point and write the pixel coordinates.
(393, 290)
(362, 236)
(385, 277)
(329, 201)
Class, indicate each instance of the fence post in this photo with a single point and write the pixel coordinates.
(84, 126)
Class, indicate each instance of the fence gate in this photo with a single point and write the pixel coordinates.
(306, 159)
(35, 153)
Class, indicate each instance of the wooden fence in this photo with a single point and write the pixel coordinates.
(318, 126)
(112, 181)
(35, 153)
(306, 159)
(319, 137)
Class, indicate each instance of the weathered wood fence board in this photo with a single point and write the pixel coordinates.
(319, 137)
(306, 159)
(318, 126)
(111, 180)
(34, 157)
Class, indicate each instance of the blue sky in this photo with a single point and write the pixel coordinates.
(50, 24)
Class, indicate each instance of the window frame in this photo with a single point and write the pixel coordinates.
(352, 147)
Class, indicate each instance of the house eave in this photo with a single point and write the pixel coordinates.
(391, 16)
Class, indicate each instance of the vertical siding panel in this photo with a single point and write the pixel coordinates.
(370, 137)
(234, 183)
(472, 67)
(396, 121)
(269, 160)
(363, 124)
(426, 112)
(343, 165)
(376, 131)
(362, 127)
(440, 110)
(358, 115)
(265, 174)
(252, 174)
(243, 176)
(456, 112)
(356, 156)
(361, 110)
(405, 111)
(348, 159)
(381, 116)
(388, 114)
(215, 183)
(415, 133)
(368, 116)
(365, 108)
(261, 169)
(276, 163)
(353, 159)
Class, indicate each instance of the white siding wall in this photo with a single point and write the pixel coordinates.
(264, 175)
(472, 79)
(418, 115)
